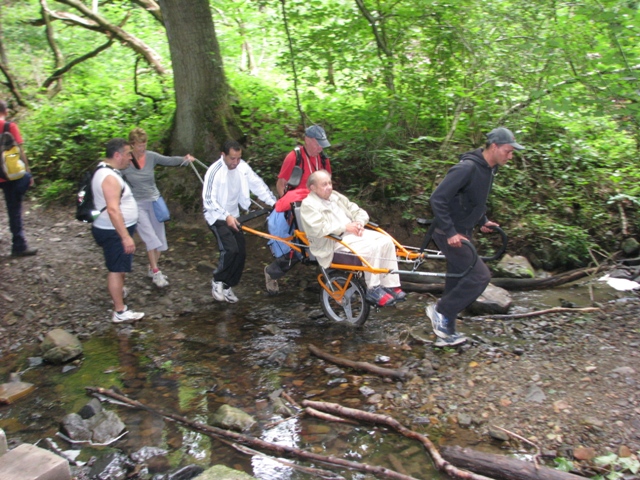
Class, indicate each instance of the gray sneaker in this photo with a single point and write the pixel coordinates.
(159, 279)
(217, 290)
(442, 326)
(229, 296)
(271, 284)
(451, 340)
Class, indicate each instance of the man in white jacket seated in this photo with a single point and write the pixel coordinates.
(227, 185)
(325, 212)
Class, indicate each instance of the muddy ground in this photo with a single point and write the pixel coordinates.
(569, 383)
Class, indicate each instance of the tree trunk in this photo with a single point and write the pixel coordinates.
(204, 119)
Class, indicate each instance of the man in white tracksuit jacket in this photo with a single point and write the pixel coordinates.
(227, 185)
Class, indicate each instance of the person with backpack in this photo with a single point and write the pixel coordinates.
(143, 183)
(459, 203)
(115, 223)
(14, 190)
(291, 186)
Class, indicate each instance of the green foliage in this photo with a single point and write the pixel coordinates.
(400, 97)
(617, 466)
(563, 464)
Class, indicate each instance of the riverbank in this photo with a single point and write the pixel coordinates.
(568, 383)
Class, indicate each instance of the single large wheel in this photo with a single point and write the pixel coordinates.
(353, 308)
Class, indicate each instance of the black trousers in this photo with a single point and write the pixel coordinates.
(459, 293)
(232, 254)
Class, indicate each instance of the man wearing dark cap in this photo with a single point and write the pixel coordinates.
(309, 158)
(459, 203)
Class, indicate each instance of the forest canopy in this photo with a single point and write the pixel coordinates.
(401, 87)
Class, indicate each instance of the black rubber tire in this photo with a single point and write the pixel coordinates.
(355, 309)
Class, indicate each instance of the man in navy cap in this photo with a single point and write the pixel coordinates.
(459, 203)
(308, 159)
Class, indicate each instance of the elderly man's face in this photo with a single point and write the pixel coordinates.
(322, 187)
(232, 159)
(312, 146)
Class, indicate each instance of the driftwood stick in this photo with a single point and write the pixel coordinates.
(368, 367)
(440, 463)
(252, 441)
(328, 417)
(537, 313)
(290, 399)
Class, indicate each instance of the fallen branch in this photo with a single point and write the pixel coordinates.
(522, 439)
(440, 463)
(537, 313)
(520, 284)
(367, 367)
(501, 466)
(251, 441)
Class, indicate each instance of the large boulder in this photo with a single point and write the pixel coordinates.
(59, 346)
(514, 267)
(232, 418)
(493, 301)
(630, 246)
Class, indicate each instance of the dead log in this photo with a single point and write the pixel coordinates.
(502, 467)
(367, 367)
(430, 286)
(439, 462)
(253, 442)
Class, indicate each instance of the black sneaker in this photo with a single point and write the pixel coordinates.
(451, 340)
(25, 253)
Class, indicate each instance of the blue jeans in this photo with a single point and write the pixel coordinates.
(13, 194)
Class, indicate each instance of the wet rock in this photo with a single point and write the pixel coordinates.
(514, 267)
(35, 361)
(334, 371)
(113, 466)
(337, 381)
(494, 300)
(497, 434)
(366, 391)
(105, 426)
(281, 408)
(90, 409)
(593, 422)
(220, 472)
(382, 359)
(74, 427)
(14, 390)
(232, 418)
(375, 398)
(59, 346)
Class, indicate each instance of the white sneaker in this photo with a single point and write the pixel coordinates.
(126, 316)
(229, 296)
(217, 291)
(159, 279)
(150, 273)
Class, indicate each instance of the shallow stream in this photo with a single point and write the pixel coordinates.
(239, 355)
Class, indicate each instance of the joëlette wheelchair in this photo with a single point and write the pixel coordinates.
(343, 293)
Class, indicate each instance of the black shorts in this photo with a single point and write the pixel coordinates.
(114, 257)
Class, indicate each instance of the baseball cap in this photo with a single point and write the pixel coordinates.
(317, 132)
(503, 136)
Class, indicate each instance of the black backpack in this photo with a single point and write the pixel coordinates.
(298, 169)
(85, 207)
